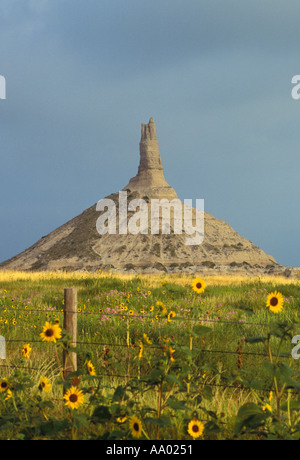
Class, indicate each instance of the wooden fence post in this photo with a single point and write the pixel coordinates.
(70, 326)
(2, 348)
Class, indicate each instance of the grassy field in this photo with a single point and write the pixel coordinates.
(156, 360)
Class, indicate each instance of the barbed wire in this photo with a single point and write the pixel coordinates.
(143, 316)
(154, 346)
(127, 377)
(130, 377)
(157, 347)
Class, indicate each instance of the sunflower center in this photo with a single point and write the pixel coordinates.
(198, 285)
(136, 426)
(195, 429)
(49, 332)
(73, 398)
(4, 385)
(274, 301)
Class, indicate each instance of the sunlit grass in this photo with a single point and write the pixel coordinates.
(150, 280)
(114, 313)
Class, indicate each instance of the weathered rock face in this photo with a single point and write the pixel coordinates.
(77, 245)
(150, 179)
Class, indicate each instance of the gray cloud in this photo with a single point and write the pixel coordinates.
(214, 75)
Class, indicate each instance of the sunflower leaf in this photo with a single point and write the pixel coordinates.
(200, 331)
(120, 394)
(249, 416)
(101, 414)
(160, 421)
(256, 339)
(177, 405)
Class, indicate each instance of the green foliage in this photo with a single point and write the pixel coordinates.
(164, 371)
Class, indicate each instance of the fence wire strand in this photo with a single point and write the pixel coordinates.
(136, 315)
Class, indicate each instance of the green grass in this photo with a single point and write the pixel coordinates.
(110, 336)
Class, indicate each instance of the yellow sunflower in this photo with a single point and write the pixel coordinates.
(135, 426)
(171, 315)
(8, 394)
(51, 332)
(91, 368)
(198, 285)
(172, 351)
(141, 349)
(147, 340)
(26, 350)
(163, 310)
(3, 385)
(267, 407)
(195, 428)
(275, 302)
(45, 385)
(74, 398)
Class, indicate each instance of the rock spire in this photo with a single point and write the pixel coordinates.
(150, 180)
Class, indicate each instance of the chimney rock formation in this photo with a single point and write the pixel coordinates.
(150, 180)
(77, 245)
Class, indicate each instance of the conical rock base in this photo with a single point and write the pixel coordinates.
(77, 244)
